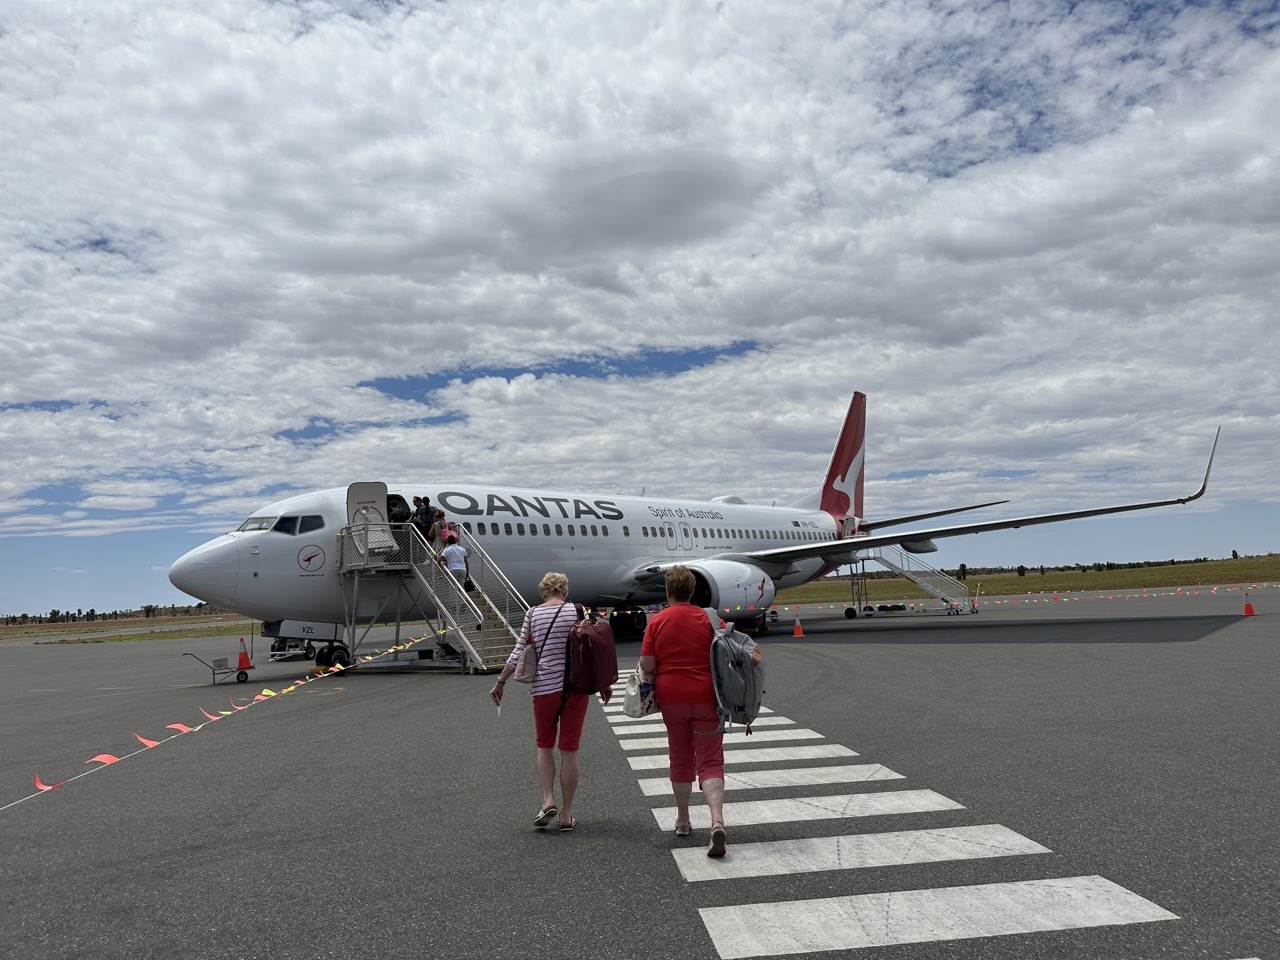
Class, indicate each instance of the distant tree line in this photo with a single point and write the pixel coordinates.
(962, 572)
(92, 616)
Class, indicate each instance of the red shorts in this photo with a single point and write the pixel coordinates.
(694, 751)
(570, 724)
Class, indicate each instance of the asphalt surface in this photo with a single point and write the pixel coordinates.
(388, 815)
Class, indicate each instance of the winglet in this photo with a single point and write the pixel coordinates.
(1205, 485)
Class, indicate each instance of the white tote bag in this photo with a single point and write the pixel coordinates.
(632, 703)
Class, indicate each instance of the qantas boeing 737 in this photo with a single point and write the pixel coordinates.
(283, 562)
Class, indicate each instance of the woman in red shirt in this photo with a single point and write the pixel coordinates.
(676, 653)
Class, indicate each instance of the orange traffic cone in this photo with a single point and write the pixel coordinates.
(243, 663)
(1248, 607)
(797, 632)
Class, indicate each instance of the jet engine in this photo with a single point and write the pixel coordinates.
(730, 586)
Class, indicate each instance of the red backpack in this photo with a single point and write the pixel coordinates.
(591, 660)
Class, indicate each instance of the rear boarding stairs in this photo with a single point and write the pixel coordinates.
(933, 582)
(478, 628)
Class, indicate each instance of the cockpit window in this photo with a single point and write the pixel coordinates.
(310, 523)
(257, 523)
(287, 525)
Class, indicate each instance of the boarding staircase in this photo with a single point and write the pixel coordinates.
(480, 625)
(934, 582)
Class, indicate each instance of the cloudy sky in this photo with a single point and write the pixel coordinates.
(252, 247)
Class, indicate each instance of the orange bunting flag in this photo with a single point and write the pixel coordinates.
(48, 786)
(233, 703)
(180, 727)
(259, 697)
(208, 715)
(105, 759)
(145, 742)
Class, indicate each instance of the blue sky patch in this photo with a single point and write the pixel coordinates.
(1007, 474)
(641, 365)
(910, 474)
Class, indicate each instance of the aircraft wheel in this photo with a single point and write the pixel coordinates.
(324, 657)
(340, 657)
(242, 676)
(851, 613)
(309, 652)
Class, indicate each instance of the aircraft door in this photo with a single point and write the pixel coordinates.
(366, 504)
(686, 537)
(670, 531)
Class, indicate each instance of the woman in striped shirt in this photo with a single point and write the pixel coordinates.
(547, 627)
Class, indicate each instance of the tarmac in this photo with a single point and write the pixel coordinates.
(1128, 737)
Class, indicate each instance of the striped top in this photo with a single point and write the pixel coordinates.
(537, 621)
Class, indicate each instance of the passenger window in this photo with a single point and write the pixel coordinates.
(546, 529)
(520, 529)
(604, 530)
(559, 530)
(466, 525)
(533, 529)
(480, 528)
(594, 532)
(506, 528)
(287, 525)
(310, 523)
(570, 526)
(626, 530)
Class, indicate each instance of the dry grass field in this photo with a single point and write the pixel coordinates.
(1264, 569)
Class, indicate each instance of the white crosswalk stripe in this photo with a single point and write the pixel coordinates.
(839, 806)
(856, 851)
(730, 739)
(652, 728)
(918, 916)
(755, 755)
(614, 714)
(792, 777)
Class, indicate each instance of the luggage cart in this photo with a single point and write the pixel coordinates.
(222, 669)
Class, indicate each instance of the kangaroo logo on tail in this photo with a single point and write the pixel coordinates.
(842, 489)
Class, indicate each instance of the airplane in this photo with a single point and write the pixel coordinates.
(281, 563)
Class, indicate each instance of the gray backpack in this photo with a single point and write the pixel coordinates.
(737, 674)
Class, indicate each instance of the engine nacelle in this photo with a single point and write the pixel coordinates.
(919, 546)
(737, 590)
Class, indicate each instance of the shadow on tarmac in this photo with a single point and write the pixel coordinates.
(974, 629)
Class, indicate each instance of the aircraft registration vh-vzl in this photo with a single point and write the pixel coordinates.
(290, 562)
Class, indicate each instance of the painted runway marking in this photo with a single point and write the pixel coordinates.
(643, 728)
(755, 755)
(730, 739)
(855, 852)
(614, 714)
(795, 777)
(747, 812)
(919, 916)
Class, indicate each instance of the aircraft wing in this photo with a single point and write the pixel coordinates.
(843, 551)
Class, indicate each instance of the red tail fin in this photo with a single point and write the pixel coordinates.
(842, 488)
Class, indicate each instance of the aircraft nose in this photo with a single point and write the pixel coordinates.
(210, 572)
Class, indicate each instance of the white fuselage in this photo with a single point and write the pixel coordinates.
(600, 543)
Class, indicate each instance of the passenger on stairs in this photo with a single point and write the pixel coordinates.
(454, 559)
